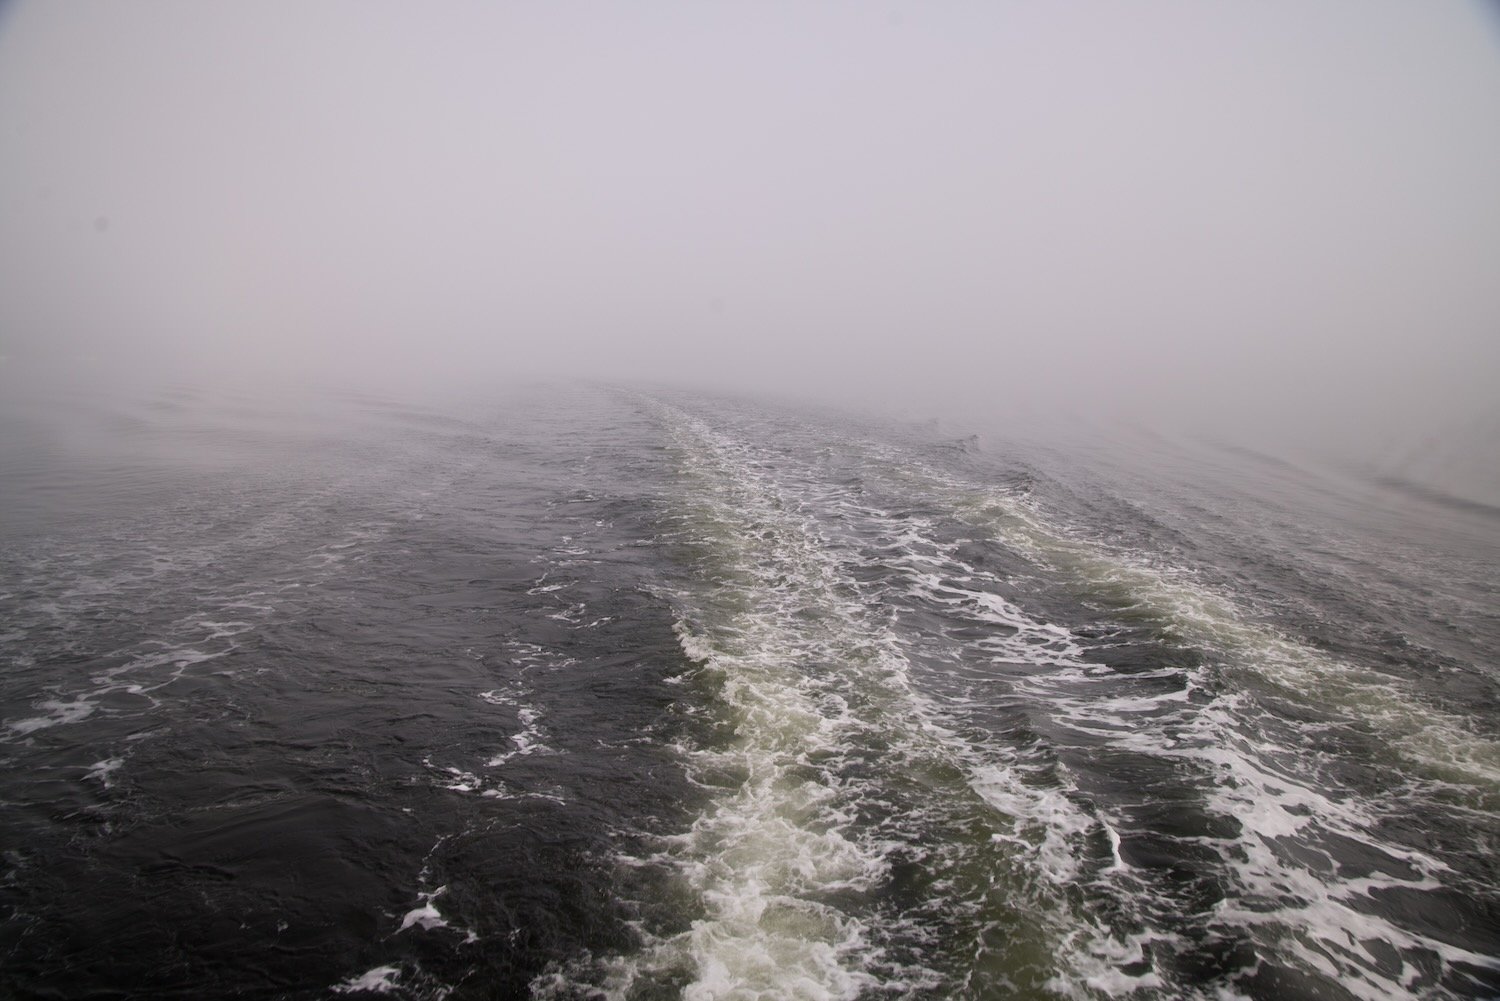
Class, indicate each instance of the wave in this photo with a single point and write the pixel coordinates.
(853, 842)
(859, 665)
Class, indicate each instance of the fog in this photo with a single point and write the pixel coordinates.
(1274, 221)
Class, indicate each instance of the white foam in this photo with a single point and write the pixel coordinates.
(807, 677)
(1444, 745)
(1309, 917)
(696, 648)
(527, 741)
(58, 713)
(1046, 822)
(224, 630)
(380, 980)
(774, 645)
(102, 771)
(456, 779)
(426, 915)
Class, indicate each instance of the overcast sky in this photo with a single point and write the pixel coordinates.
(1262, 213)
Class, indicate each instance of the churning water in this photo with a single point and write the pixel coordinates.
(582, 693)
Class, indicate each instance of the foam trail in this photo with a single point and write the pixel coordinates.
(1283, 797)
(831, 775)
(1280, 802)
(1445, 745)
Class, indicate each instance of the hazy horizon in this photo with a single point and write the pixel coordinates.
(1260, 222)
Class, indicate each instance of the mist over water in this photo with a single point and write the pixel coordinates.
(764, 501)
(1248, 223)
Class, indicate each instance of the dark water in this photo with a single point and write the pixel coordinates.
(575, 692)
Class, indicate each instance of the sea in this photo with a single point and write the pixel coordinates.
(575, 691)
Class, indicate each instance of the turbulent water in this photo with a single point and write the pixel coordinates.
(586, 693)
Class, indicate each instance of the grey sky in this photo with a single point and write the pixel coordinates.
(1275, 213)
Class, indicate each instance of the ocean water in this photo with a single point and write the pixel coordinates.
(575, 692)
